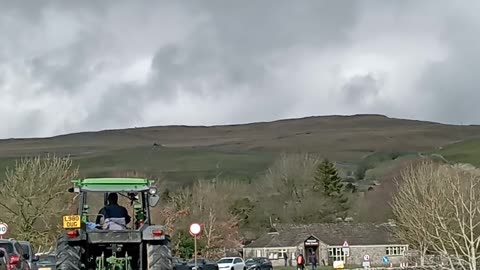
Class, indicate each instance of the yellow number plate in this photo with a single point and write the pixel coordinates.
(44, 268)
(72, 222)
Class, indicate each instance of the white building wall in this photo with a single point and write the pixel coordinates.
(376, 253)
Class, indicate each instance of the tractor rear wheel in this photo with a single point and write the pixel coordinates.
(68, 257)
(159, 256)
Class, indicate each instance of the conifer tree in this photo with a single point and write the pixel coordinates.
(327, 180)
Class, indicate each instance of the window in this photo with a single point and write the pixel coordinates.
(228, 260)
(7, 246)
(277, 254)
(395, 250)
(237, 261)
(336, 254)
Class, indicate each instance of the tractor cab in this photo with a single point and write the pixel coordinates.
(103, 242)
(137, 195)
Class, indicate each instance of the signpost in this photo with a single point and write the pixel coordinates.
(366, 261)
(346, 251)
(345, 247)
(195, 230)
(3, 229)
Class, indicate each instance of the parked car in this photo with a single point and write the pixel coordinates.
(18, 257)
(202, 264)
(4, 260)
(47, 262)
(258, 263)
(179, 264)
(32, 259)
(231, 263)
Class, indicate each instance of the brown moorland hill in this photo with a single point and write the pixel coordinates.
(196, 151)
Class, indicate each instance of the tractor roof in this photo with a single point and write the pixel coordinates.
(113, 184)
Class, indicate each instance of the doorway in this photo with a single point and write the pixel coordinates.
(311, 249)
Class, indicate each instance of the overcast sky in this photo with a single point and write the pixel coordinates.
(69, 66)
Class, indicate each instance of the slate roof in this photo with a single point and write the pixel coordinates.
(333, 234)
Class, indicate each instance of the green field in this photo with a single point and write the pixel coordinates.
(178, 165)
(467, 151)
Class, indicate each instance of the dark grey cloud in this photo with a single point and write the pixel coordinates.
(81, 65)
(454, 81)
(359, 89)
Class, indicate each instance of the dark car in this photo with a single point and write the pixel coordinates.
(258, 263)
(47, 262)
(18, 257)
(202, 264)
(179, 264)
(32, 259)
(4, 260)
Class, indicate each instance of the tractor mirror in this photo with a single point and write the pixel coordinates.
(74, 190)
(153, 200)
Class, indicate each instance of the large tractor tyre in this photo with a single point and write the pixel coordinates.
(159, 256)
(68, 257)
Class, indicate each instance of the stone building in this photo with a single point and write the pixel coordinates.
(326, 242)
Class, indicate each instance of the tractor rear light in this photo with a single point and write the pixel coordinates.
(157, 233)
(72, 234)
(14, 259)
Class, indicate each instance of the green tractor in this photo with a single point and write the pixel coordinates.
(86, 245)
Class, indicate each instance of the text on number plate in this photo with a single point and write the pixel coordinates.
(71, 222)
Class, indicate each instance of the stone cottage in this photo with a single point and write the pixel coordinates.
(329, 242)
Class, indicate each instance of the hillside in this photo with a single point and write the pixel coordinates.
(467, 151)
(183, 153)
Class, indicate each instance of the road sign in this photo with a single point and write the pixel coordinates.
(385, 259)
(3, 229)
(346, 249)
(366, 257)
(195, 229)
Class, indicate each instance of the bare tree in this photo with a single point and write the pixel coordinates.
(291, 175)
(456, 219)
(412, 204)
(34, 196)
(438, 207)
(220, 226)
(204, 202)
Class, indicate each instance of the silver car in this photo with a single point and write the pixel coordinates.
(32, 259)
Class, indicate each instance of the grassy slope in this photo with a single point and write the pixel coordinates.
(236, 150)
(467, 151)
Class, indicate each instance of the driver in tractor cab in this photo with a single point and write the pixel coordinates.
(115, 216)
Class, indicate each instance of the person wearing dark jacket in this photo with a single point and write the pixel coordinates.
(313, 261)
(113, 210)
